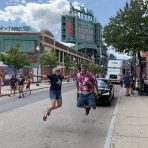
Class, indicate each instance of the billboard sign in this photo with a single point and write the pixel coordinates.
(85, 31)
(77, 30)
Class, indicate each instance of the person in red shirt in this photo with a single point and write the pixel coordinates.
(121, 80)
(28, 82)
(86, 84)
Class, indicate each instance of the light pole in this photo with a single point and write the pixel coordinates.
(38, 62)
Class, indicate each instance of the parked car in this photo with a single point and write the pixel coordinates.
(106, 92)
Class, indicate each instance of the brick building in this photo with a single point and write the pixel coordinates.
(44, 40)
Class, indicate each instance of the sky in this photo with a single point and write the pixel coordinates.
(46, 14)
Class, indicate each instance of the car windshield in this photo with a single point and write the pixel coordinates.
(101, 83)
(103, 79)
(114, 69)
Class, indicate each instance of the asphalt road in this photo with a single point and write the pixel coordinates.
(10, 103)
(21, 124)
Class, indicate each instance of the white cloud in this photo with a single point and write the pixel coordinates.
(118, 55)
(37, 15)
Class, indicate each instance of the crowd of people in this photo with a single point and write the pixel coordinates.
(19, 84)
(127, 81)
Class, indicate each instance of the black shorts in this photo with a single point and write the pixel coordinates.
(13, 87)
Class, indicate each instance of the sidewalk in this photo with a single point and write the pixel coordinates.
(129, 124)
(5, 90)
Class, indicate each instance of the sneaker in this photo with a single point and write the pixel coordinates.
(127, 95)
(87, 110)
(48, 113)
(19, 97)
(45, 117)
(94, 107)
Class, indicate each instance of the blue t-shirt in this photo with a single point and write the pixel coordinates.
(55, 81)
(21, 80)
(126, 80)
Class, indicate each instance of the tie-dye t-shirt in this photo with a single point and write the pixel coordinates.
(86, 82)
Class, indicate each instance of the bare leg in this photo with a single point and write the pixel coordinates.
(29, 90)
(87, 109)
(20, 93)
(127, 91)
(54, 104)
(10, 92)
(14, 92)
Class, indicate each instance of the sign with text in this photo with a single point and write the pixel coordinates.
(15, 28)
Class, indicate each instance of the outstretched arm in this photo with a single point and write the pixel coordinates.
(78, 91)
(96, 86)
(66, 77)
(43, 76)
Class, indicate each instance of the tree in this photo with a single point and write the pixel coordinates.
(14, 59)
(67, 62)
(127, 32)
(96, 69)
(78, 65)
(49, 59)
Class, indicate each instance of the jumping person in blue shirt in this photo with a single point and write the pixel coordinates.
(55, 90)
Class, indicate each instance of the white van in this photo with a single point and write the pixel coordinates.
(114, 69)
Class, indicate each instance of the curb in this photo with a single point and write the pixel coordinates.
(2, 95)
(112, 124)
(31, 90)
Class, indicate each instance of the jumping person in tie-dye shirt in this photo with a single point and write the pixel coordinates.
(86, 85)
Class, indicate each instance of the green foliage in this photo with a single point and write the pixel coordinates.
(128, 30)
(14, 59)
(67, 62)
(79, 64)
(96, 69)
(49, 59)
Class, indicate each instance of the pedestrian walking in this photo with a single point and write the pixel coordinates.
(121, 80)
(55, 94)
(132, 85)
(126, 81)
(87, 89)
(13, 85)
(2, 77)
(28, 83)
(20, 82)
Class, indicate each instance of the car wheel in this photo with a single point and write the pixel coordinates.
(108, 103)
(113, 96)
